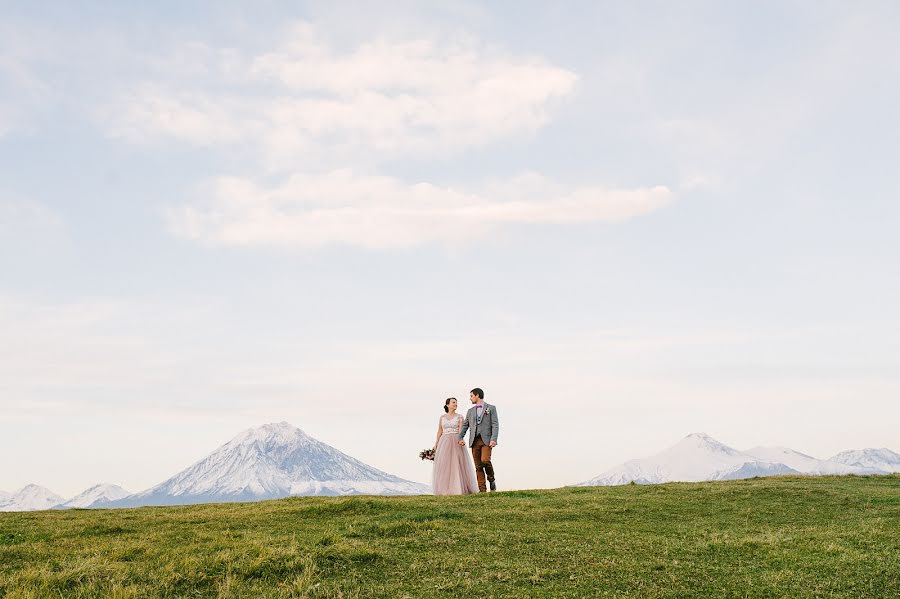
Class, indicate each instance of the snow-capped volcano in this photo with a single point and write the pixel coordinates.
(805, 464)
(96, 496)
(697, 457)
(268, 462)
(879, 459)
(30, 498)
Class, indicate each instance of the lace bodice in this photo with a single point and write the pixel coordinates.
(450, 424)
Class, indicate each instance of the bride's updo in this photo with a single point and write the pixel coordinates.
(447, 403)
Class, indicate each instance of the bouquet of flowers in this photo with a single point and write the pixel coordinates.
(427, 454)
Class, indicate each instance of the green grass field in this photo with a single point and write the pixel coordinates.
(791, 537)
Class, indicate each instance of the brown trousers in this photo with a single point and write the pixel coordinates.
(481, 453)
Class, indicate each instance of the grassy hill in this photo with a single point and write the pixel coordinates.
(796, 537)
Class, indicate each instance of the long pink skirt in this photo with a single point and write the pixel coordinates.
(454, 473)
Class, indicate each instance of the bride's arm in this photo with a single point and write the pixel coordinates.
(439, 433)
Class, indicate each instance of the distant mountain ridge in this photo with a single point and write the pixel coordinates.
(804, 463)
(880, 459)
(698, 457)
(95, 497)
(30, 498)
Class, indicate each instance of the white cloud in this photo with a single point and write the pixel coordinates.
(342, 207)
(324, 117)
(192, 117)
(381, 100)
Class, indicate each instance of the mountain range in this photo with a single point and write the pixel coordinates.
(97, 496)
(267, 462)
(280, 460)
(878, 459)
(699, 457)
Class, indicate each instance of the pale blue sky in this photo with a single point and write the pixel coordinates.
(653, 219)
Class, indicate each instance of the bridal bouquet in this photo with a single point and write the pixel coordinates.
(426, 454)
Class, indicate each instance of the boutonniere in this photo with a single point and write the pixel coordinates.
(487, 411)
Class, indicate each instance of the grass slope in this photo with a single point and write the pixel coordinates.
(792, 536)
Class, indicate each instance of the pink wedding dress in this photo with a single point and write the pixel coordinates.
(454, 473)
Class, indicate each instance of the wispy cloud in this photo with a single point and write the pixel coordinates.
(380, 100)
(322, 120)
(342, 207)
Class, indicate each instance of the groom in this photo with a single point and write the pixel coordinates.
(483, 426)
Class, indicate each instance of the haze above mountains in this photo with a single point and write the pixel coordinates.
(279, 460)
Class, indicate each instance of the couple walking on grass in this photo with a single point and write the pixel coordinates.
(454, 473)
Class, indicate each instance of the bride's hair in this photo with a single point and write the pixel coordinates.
(447, 403)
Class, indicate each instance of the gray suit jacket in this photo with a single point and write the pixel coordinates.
(487, 428)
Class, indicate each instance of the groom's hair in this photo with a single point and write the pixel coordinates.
(478, 392)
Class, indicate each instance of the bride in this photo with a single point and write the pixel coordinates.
(453, 473)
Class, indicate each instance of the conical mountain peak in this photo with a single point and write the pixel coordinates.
(703, 442)
(270, 461)
(32, 488)
(278, 430)
(282, 427)
(30, 497)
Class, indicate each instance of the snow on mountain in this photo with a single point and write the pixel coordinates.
(4, 496)
(30, 498)
(96, 496)
(697, 457)
(269, 462)
(751, 469)
(803, 463)
(878, 459)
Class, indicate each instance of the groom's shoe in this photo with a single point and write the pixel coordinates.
(493, 485)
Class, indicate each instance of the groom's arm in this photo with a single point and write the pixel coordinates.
(464, 428)
(495, 426)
